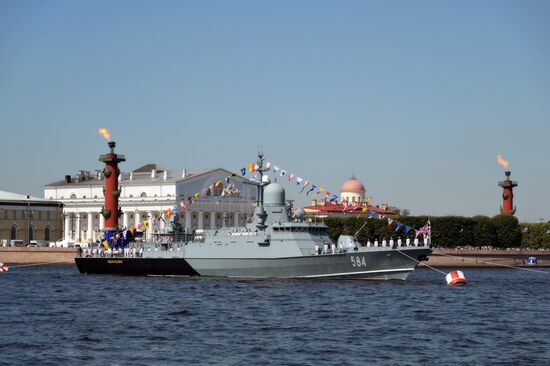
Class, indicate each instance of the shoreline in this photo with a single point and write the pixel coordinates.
(490, 258)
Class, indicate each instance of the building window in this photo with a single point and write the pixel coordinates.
(5, 214)
(14, 214)
(31, 233)
(73, 196)
(48, 215)
(39, 215)
(13, 234)
(47, 233)
(143, 194)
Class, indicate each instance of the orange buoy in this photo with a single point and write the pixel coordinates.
(455, 278)
(3, 267)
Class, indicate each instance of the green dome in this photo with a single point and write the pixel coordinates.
(274, 195)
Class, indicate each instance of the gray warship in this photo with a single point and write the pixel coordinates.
(275, 244)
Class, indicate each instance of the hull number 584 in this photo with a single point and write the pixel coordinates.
(358, 261)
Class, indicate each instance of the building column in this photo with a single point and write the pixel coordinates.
(136, 219)
(201, 220)
(67, 218)
(101, 222)
(125, 219)
(236, 218)
(188, 222)
(90, 230)
(150, 230)
(77, 227)
(212, 220)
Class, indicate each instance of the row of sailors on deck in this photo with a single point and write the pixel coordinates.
(114, 252)
(391, 244)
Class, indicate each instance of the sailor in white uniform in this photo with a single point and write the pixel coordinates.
(415, 242)
(399, 242)
(316, 249)
(408, 241)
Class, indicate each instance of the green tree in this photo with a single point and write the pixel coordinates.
(484, 231)
(507, 231)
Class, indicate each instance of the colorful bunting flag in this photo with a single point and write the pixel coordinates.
(389, 221)
(398, 224)
(218, 184)
(290, 176)
(283, 172)
(305, 185)
(407, 229)
(275, 168)
(268, 165)
(298, 181)
(313, 187)
(321, 190)
(243, 171)
(196, 195)
(333, 198)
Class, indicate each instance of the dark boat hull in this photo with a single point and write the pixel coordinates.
(135, 266)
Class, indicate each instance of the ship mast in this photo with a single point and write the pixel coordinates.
(260, 212)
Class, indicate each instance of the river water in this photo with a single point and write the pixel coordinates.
(52, 315)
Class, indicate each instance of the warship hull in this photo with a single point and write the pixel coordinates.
(135, 266)
(384, 265)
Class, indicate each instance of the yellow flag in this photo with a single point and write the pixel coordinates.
(146, 224)
(196, 195)
(105, 244)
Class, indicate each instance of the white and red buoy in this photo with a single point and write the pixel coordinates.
(3, 267)
(455, 278)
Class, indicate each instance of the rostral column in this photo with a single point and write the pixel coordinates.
(111, 190)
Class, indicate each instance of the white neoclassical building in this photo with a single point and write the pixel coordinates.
(147, 193)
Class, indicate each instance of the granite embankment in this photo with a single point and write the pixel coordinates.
(439, 258)
(27, 255)
(487, 257)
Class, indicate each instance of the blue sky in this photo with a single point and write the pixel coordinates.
(416, 97)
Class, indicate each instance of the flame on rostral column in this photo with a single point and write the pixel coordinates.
(501, 161)
(105, 133)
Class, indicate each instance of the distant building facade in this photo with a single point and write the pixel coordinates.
(353, 201)
(29, 218)
(146, 194)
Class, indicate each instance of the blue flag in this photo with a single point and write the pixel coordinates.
(313, 187)
(243, 171)
(407, 229)
(398, 224)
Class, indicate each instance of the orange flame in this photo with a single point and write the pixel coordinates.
(105, 133)
(501, 161)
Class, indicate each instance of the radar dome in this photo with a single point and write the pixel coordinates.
(300, 214)
(274, 195)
